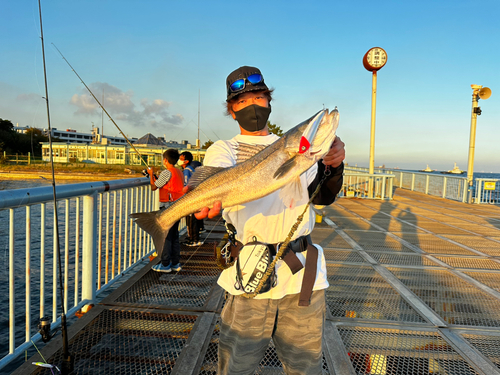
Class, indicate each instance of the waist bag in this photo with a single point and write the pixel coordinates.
(252, 263)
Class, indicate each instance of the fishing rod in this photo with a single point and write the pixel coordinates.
(68, 361)
(104, 109)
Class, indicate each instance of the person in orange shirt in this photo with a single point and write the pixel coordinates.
(170, 182)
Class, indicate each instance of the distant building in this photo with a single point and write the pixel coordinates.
(22, 129)
(150, 148)
(73, 136)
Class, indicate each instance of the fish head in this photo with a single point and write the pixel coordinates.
(314, 137)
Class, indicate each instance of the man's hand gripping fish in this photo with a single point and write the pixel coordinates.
(256, 175)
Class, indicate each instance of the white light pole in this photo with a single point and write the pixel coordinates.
(373, 60)
(478, 92)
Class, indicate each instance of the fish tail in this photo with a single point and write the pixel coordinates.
(148, 221)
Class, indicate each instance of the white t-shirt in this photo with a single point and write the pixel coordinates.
(267, 220)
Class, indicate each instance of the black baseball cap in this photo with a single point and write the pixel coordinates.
(242, 73)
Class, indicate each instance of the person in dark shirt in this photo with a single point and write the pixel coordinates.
(185, 161)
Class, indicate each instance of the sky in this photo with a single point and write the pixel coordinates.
(159, 66)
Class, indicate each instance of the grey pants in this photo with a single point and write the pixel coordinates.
(249, 324)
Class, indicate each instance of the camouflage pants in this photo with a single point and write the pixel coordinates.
(249, 324)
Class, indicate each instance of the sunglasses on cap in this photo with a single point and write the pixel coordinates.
(240, 83)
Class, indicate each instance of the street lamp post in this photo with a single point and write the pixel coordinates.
(478, 92)
(373, 60)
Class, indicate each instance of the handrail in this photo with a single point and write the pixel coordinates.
(16, 197)
(366, 185)
(99, 243)
(445, 185)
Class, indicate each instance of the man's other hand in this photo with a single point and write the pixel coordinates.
(206, 211)
(336, 155)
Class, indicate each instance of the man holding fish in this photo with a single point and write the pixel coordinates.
(264, 184)
(291, 309)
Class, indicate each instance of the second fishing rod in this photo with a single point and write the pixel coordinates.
(102, 107)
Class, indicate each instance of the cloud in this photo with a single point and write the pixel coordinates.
(120, 106)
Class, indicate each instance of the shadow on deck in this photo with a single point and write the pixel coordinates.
(414, 289)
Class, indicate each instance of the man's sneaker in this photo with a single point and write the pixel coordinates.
(186, 242)
(199, 243)
(177, 267)
(161, 268)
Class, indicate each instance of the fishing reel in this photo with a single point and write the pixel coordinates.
(144, 173)
(44, 329)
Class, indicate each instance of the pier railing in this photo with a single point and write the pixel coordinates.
(485, 190)
(444, 186)
(364, 185)
(99, 243)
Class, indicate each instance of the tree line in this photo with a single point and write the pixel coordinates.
(12, 142)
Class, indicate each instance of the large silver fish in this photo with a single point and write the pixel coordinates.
(259, 172)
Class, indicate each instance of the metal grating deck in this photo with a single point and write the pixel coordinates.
(406, 259)
(487, 344)
(269, 365)
(414, 289)
(191, 288)
(360, 292)
(455, 300)
(120, 342)
(399, 351)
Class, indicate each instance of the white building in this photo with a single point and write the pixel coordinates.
(73, 136)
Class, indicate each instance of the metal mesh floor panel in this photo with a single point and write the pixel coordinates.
(488, 345)
(398, 226)
(329, 238)
(269, 365)
(377, 241)
(439, 228)
(343, 256)
(360, 292)
(433, 245)
(351, 223)
(478, 243)
(187, 288)
(123, 342)
(481, 229)
(455, 300)
(402, 259)
(476, 263)
(393, 351)
(487, 278)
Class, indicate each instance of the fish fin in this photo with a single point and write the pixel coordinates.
(285, 167)
(148, 221)
(245, 151)
(291, 193)
(201, 174)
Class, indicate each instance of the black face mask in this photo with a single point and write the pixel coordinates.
(253, 118)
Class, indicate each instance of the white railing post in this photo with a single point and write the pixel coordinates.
(89, 247)
(479, 185)
(12, 293)
(444, 187)
(427, 184)
(412, 181)
(28, 274)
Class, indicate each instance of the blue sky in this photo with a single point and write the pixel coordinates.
(150, 59)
